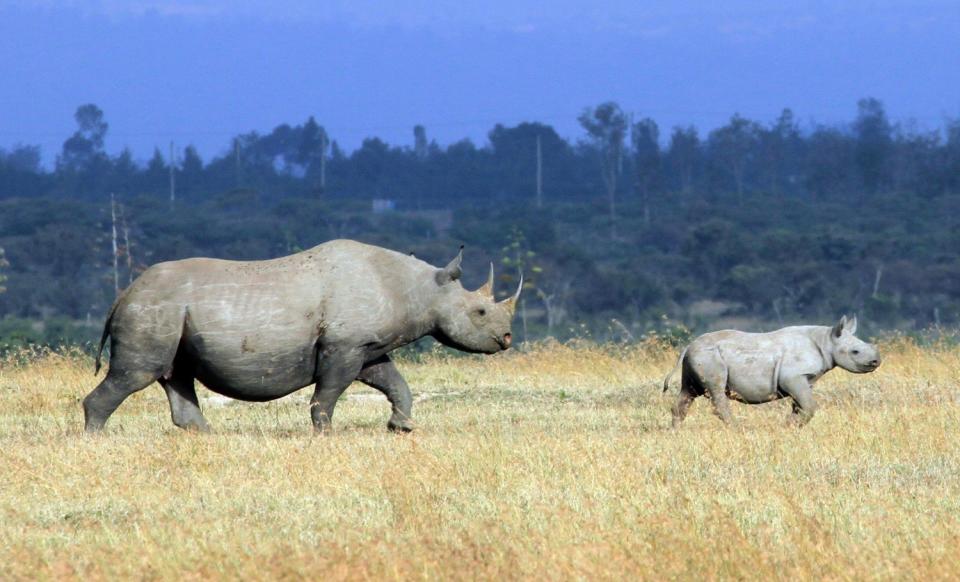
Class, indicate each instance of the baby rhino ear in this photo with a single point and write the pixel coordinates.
(845, 325)
(851, 326)
(837, 330)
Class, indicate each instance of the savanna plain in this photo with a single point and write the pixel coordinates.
(551, 462)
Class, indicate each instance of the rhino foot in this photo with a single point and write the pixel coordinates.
(196, 427)
(400, 425)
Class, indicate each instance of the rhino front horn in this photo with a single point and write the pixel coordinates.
(511, 302)
(487, 288)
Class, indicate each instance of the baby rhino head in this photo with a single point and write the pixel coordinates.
(850, 352)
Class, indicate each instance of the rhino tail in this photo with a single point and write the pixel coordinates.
(666, 381)
(104, 336)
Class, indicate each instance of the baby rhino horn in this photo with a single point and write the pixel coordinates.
(487, 288)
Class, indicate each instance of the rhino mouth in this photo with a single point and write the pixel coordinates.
(504, 341)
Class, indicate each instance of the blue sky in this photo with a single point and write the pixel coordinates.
(201, 71)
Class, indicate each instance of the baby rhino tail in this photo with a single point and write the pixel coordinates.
(105, 335)
(666, 381)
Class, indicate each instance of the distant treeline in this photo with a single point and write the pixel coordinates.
(761, 222)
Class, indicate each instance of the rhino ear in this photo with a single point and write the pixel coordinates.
(452, 271)
(838, 329)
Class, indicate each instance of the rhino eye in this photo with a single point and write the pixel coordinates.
(855, 352)
(481, 312)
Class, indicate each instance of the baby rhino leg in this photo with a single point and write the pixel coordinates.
(799, 389)
(712, 373)
(689, 390)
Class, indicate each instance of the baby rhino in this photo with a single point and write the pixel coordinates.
(759, 367)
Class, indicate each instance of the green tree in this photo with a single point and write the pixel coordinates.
(3, 264)
(156, 174)
(191, 170)
(312, 153)
(779, 149)
(645, 135)
(732, 147)
(683, 154)
(827, 163)
(22, 158)
(514, 159)
(951, 162)
(874, 142)
(421, 148)
(124, 172)
(606, 127)
(85, 146)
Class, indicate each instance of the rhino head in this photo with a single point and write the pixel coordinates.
(471, 321)
(850, 352)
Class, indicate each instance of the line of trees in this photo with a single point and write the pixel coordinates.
(618, 156)
(766, 222)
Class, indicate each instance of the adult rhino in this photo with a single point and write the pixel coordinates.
(760, 367)
(259, 330)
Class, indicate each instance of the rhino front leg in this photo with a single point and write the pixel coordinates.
(184, 406)
(336, 371)
(804, 406)
(383, 375)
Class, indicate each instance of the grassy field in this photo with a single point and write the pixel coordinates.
(555, 462)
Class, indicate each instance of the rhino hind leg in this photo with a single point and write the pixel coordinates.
(107, 396)
(712, 375)
(139, 355)
(184, 406)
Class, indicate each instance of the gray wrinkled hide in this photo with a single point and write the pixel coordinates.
(260, 330)
(760, 367)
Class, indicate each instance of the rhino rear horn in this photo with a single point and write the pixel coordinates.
(487, 288)
(452, 271)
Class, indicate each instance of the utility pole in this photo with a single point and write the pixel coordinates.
(113, 224)
(539, 174)
(173, 181)
(126, 245)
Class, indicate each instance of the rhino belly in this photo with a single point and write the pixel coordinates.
(251, 370)
(752, 385)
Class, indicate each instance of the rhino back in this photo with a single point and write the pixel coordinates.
(371, 293)
(252, 327)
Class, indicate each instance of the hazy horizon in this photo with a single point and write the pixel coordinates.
(201, 71)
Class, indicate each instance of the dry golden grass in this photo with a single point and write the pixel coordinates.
(552, 463)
